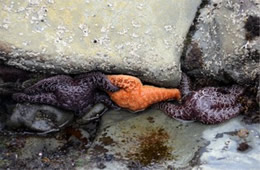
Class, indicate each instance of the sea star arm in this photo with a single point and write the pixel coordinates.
(235, 90)
(207, 116)
(221, 97)
(11, 74)
(104, 83)
(105, 99)
(45, 98)
(48, 85)
(182, 112)
(218, 115)
(125, 82)
(99, 79)
(185, 85)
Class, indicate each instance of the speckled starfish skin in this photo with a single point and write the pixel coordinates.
(12, 74)
(77, 94)
(209, 105)
(135, 96)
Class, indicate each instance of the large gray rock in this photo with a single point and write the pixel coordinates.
(226, 42)
(131, 37)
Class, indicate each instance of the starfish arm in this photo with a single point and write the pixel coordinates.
(97, 79)
(185, 85)
(153, 94)
(182, 112)
(105, 99)
(218, 115)
(223, 101)
(125, 82)
(217, 97)
(221, 97)
(104, 83)
(235, 90)
(48, 85)
(46, 98)
(11, 74)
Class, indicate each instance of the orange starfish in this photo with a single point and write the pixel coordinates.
(135, 96)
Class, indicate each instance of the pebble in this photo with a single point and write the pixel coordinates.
(243, 133)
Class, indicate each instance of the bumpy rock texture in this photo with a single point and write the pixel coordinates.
(226, 42)
(142, 38)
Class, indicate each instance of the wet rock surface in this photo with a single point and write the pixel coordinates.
(225, 44)
(132, 37)
(149, 140)
(37, 152)
(228, 148)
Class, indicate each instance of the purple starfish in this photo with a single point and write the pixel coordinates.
(12, 74)
(77, 94)
(209, 105)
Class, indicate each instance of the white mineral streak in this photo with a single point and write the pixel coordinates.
(143, 38)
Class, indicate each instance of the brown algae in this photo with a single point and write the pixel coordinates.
(152, 148)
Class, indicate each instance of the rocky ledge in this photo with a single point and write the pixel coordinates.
(142, 38)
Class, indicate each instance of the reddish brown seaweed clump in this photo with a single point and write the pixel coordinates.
(152, 148)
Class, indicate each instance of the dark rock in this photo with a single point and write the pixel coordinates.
(243, 147)
(38, 118)
(252, 27)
